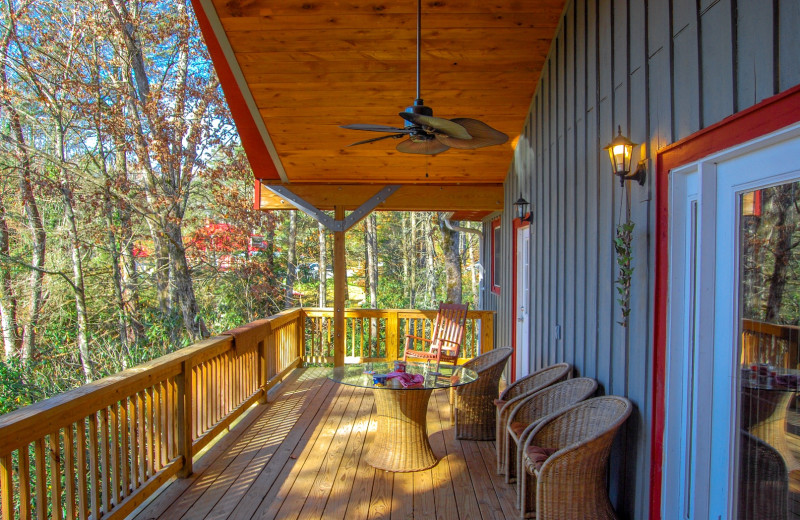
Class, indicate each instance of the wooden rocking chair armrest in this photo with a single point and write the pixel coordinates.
(411, 336)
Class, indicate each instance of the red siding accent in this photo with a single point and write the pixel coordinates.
(768, 116)
(253, 144)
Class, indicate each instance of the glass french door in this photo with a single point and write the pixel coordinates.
(732, 431)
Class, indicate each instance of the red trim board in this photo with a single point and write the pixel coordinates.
(252, 142)
(770, 115)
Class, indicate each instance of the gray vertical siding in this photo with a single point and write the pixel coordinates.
(661, 70)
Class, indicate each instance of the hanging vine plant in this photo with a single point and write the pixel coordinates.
(622, 246)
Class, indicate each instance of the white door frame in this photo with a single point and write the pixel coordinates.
(522, 279)
(700, 394)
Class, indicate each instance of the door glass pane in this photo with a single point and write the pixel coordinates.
(769, 315)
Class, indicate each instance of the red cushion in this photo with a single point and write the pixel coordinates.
(517, 427)
(499, 403)
(535, 457)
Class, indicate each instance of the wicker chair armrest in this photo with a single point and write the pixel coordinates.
(521, 387)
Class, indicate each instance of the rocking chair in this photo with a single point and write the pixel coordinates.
(447, 335)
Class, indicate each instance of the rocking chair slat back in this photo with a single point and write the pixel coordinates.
(447, 335)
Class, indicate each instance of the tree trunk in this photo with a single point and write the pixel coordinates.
(38, 236)
(782, 246)
(8, 300)
(322, 265)
(291, 260)
(116, 277)
(473, 271)
(430, 259)
(452, 261)
(414, 262)
(184, 289)
(371, 239)
(129, 274)
(406, 258)
(162, 270)
(82, 338)
(271, 247)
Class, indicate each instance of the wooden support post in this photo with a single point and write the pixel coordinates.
(339, 290)
(487, 333)
(392, 335)
(185, 403)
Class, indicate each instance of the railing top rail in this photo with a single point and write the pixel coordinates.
(379, 313)
(774, 329)
(44, 417)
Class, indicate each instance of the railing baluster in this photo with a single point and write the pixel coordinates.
(114, 426)
(163, 393)
(185, 385)
(106, 474)
(141, 436)
(55, 475)
(41, 479)
(124, 449)
(7, 487)
(24, 483)
(134, 437)
(94, 472)
(83, 493)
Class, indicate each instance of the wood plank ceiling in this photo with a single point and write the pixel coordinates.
(305, 67)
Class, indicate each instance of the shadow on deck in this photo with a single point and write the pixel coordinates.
(301, 456)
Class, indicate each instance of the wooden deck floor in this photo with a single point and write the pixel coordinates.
(301, 456)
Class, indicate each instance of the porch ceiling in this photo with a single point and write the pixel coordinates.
(294, 71)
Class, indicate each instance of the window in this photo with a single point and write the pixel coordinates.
(496, 256)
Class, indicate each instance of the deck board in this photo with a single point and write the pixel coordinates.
(302, 457)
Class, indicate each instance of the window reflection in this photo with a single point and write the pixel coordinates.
(769, 425)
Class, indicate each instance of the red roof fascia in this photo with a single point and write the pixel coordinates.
(254, 146)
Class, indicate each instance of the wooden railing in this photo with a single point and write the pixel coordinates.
(770, 343)
(102, 449)
(379, 334)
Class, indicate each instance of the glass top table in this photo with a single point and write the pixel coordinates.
(357, 375)
(401, 440)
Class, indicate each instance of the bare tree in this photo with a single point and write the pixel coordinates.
(322, 265)
(291, 259)
(452, 261)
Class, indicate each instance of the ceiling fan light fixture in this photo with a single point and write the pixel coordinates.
(431, 135)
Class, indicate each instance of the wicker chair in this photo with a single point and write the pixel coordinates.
(763, 481)
(471, 405)
(527, 414)
(517, 391)
(565, 461)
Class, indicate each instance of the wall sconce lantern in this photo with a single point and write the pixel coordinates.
(620, 151)
(521, 207)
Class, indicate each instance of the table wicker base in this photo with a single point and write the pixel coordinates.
(401, 441)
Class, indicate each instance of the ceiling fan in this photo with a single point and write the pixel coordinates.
(430, 135)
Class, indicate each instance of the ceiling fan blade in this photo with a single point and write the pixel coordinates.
(482, 135)
(431, 147)
(376, 128)
(365, 141)
(439, 124)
